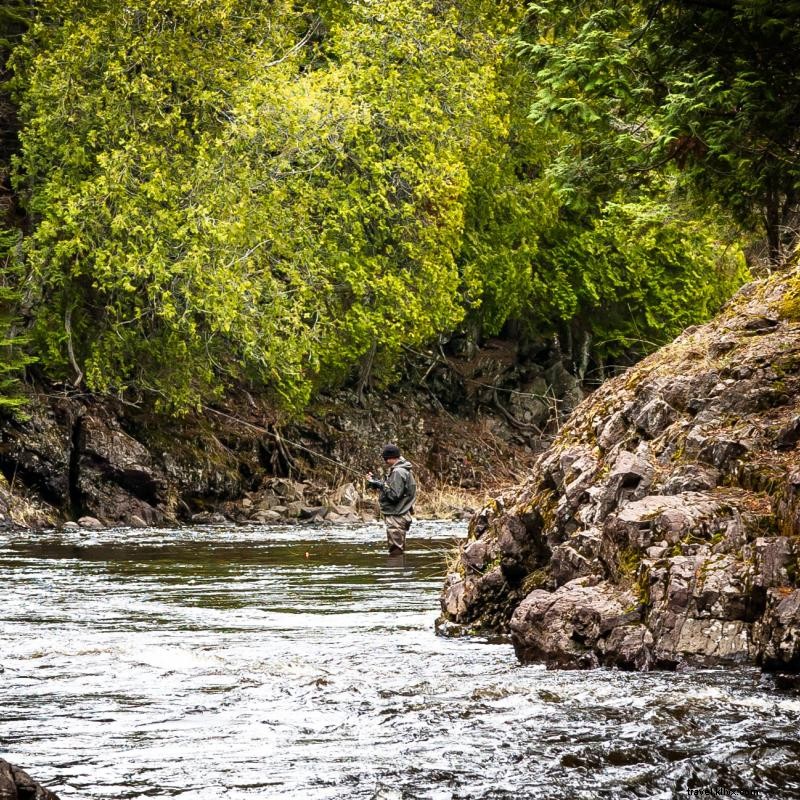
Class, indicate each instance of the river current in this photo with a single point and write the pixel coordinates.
(301, 662)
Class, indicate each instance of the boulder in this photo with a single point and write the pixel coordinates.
(778, 632)
(692, 478)
(346, 495)
(115, 477)
(18, 785)
(39, 450)
(655, 417)
(209, 518)
(478, 554)
(789, 435)
(613, 430)
(287, 490)
(628, 647)
(265, 517)
(564, 628)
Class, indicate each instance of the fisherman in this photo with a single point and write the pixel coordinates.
(396, 495)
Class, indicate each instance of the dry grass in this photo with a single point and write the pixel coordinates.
(446, 502)
(453, 565)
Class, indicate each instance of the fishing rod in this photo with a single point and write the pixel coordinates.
(281, 439)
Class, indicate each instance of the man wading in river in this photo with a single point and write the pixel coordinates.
(397, 492)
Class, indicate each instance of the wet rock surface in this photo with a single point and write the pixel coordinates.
(18, 785)
(661, 527)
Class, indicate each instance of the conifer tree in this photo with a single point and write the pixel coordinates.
(13, 356)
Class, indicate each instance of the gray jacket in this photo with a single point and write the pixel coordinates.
(399, 489)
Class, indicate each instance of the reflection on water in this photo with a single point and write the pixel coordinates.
(301, 663)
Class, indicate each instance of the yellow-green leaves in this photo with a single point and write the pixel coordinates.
(249, 190)
(235, 190)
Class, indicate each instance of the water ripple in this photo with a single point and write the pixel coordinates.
(301, 663)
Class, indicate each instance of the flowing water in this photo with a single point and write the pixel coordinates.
(301, 663)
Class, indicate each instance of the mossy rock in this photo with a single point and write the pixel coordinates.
(789, 305)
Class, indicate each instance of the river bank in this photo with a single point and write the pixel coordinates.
(471, 423)
(93, 462)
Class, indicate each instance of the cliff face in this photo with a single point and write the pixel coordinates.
(662, 527)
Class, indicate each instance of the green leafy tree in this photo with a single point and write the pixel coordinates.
(211, 203)
(635, 275)
(119, 104)
(234, 191)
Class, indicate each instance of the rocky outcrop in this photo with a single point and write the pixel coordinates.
(89, 460)
(663, 525)
(18, 785)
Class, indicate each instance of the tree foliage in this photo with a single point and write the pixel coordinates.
(638, 273)
(212, 200)
(710, 87)
(14, 357)
(237, 190)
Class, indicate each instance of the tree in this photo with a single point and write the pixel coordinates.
(710, 87)
(211, 204)
(13, 356)
(220, 192)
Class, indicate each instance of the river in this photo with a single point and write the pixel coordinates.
(301, 662)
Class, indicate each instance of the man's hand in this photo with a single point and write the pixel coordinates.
(373, 482)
